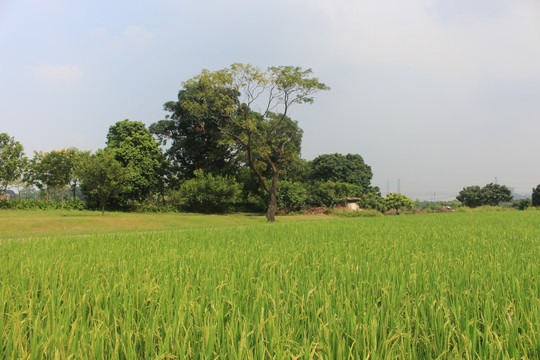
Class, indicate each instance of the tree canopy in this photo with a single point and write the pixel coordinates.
(133, 145)
(12, 161)
(491, 194)
(349, 168)
(53, 169)
(398, 201)
(104, 177)
(194, 143)
(536, 196)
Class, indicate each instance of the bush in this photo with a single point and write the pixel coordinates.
(30, 204)
(291, 195)
(148, 207)
(373, 202)
(207, 193)
(521, 204)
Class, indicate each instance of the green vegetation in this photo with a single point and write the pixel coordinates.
(398, 201)
(12, 162)
(461, 285)
(491, 194)
(250, 106)
(350, 169)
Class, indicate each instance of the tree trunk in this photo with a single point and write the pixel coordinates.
(103, 208)
(4, 194)
(63, 194)
(272, 207)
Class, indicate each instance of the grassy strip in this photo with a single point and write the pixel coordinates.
(30, 224)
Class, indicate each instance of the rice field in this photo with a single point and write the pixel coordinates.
(439, 286)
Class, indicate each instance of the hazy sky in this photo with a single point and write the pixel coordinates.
(440, 94)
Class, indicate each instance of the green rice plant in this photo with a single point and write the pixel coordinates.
(447, 286)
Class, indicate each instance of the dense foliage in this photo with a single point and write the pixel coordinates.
(491, 194)
(194, 143)
(207, 193)
(398, 202)
(350, 169)
(12, 161)
(536, 196)
(104, 178)
(134, 146)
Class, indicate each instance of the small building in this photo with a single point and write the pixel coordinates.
(351, 203)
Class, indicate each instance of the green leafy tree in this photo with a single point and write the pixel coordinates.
(52, 170)
(398, 202)
(536, 196)
(250, 107)
(12, 161)
(471, 196)
(491, 194)
(133, 145)
(194, 143)
(349, 168)
(494, 194)
(104, 177)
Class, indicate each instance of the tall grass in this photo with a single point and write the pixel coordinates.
(419, 287)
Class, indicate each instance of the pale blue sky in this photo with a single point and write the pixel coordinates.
(440, 94)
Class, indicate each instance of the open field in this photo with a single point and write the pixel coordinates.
(461, 285)
(18, 224)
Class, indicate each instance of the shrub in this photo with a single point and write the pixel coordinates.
(207, 193)
(521, 204)
(373, 202)
(30, 204)
(291, 195)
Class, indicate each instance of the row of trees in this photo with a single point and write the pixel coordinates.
(494, 194)
(132, 168)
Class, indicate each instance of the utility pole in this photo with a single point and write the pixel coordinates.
(496, 180)
(388, 186)
(398, 186)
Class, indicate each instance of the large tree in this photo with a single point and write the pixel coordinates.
(250, 107)
(349, 168)
(194, 143)
(12, 161)
(134, 146)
